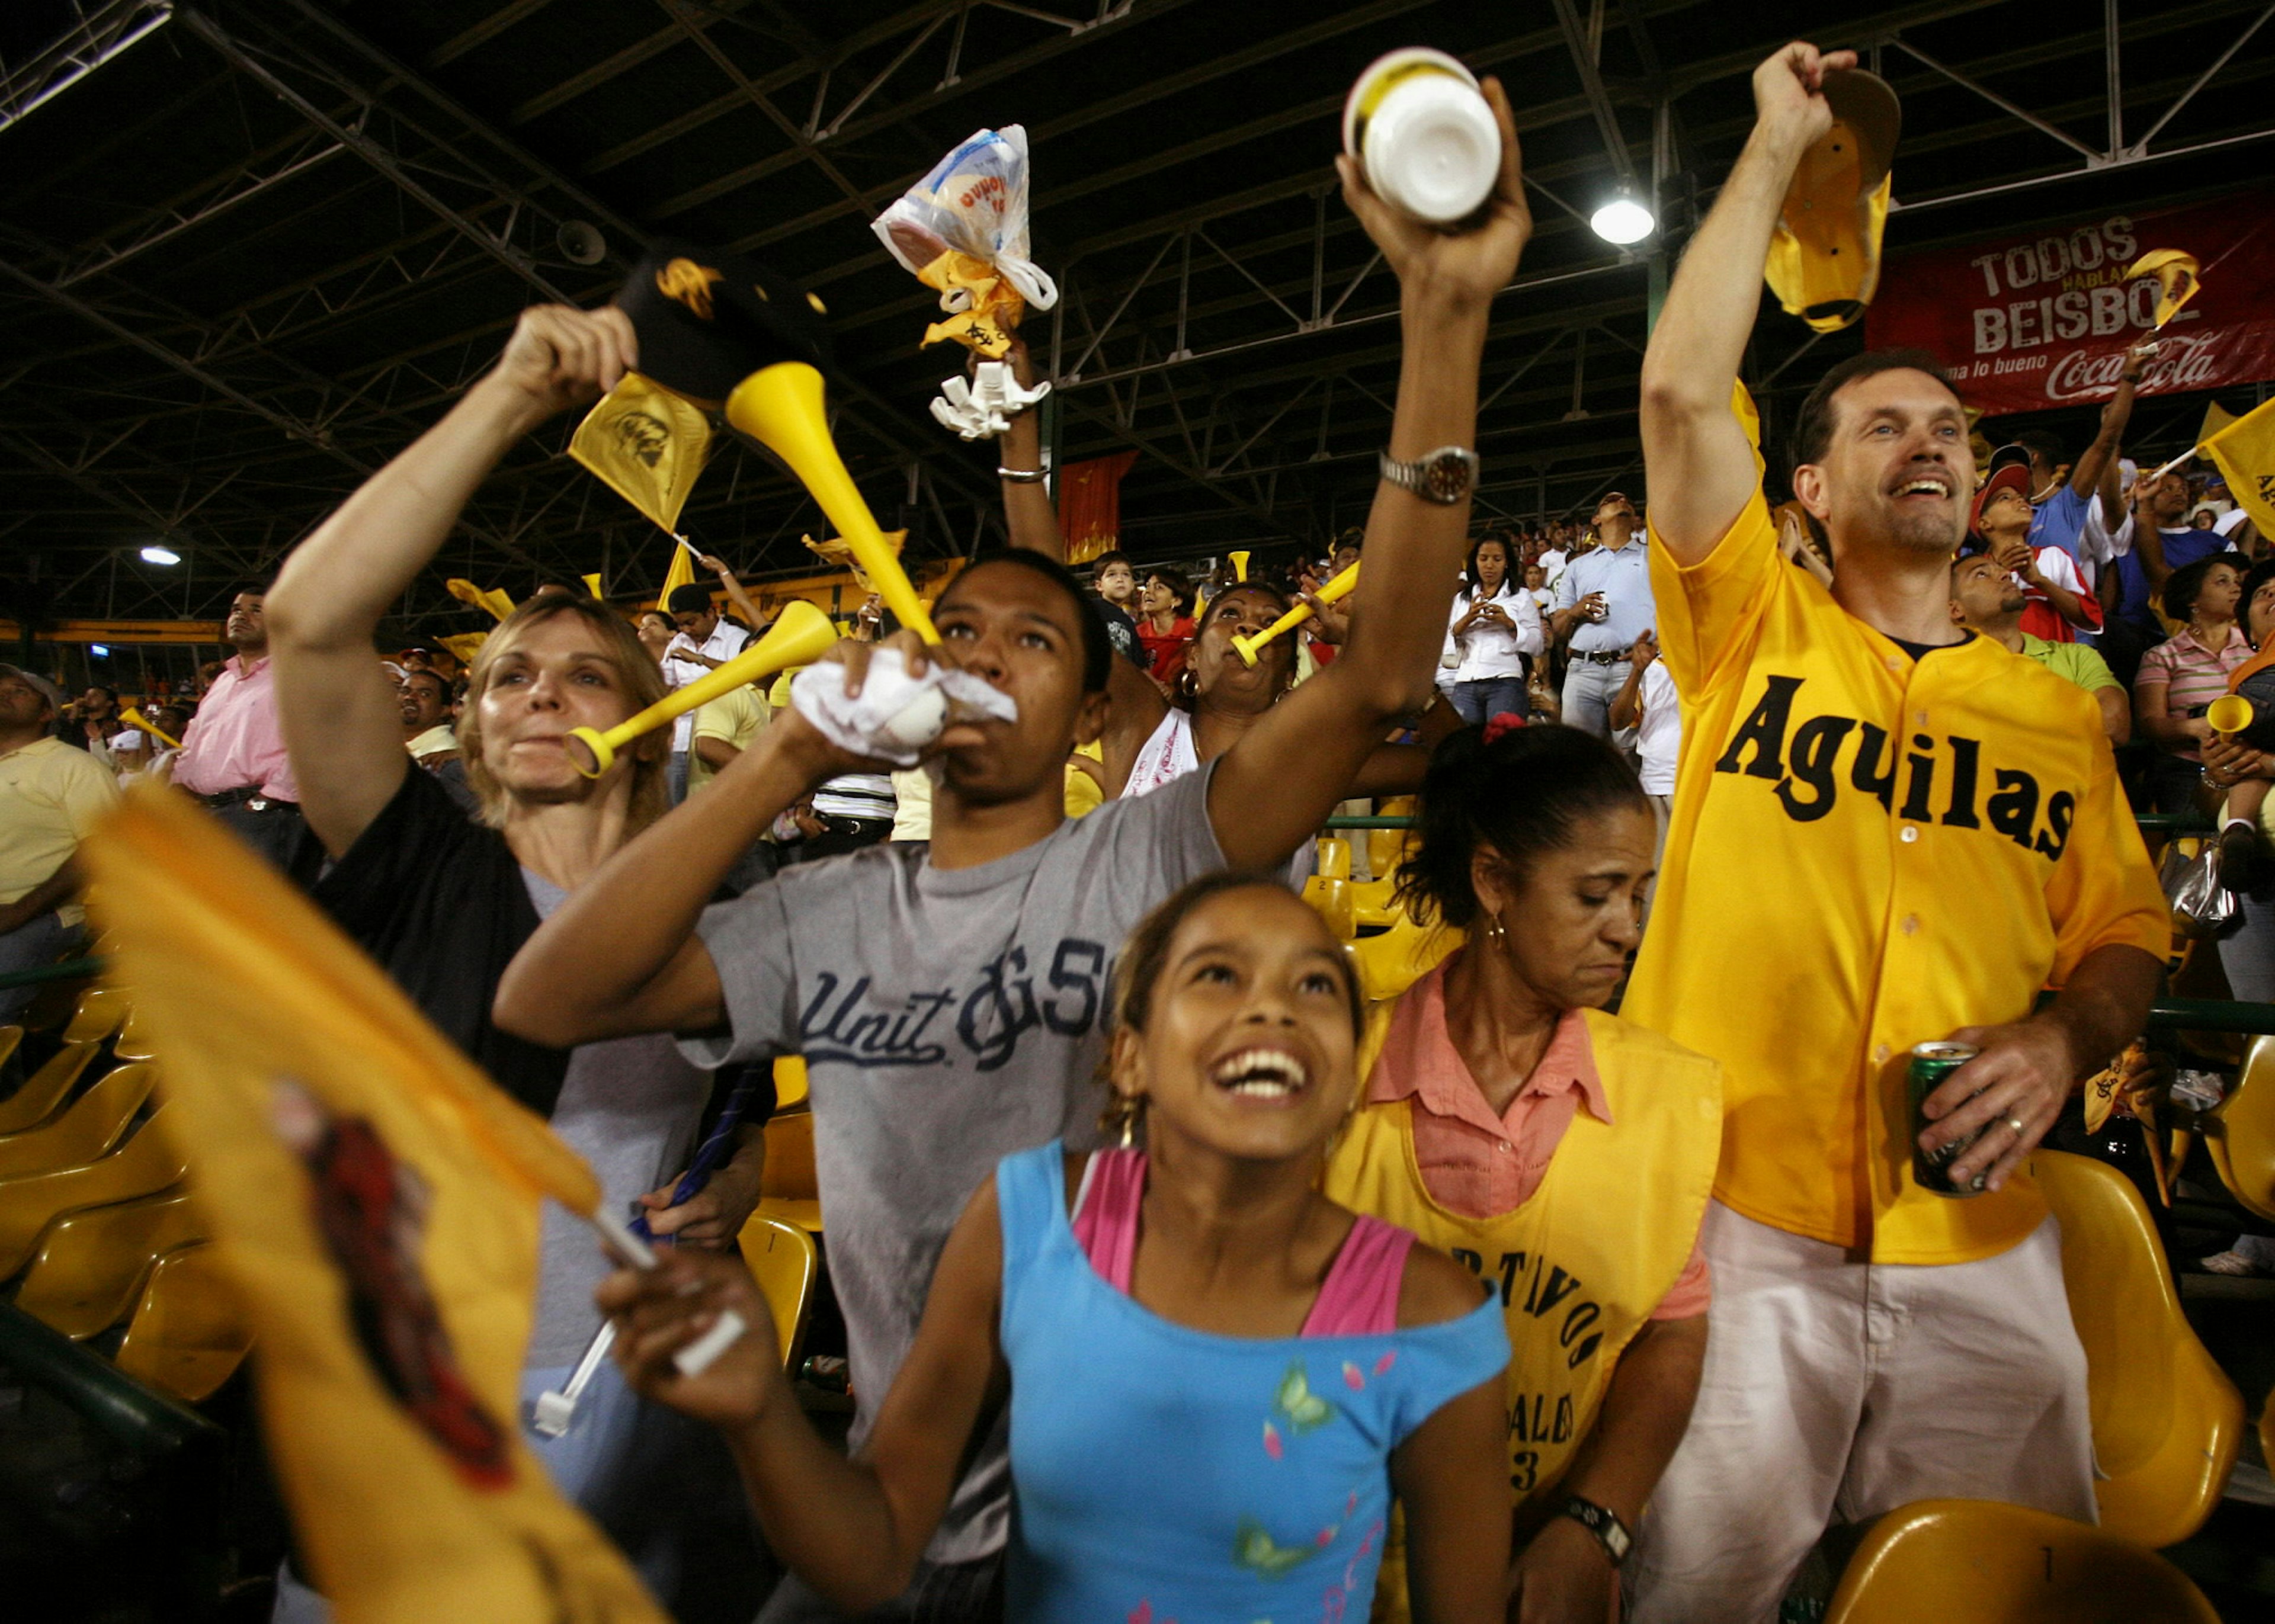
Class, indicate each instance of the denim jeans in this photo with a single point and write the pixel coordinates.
(30, 945)
(1589, 690)
(1481, 699)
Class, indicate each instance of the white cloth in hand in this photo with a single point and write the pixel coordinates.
(894, 715)
(984, 407)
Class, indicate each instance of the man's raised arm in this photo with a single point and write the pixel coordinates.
(1702, 469)
(1273, 787)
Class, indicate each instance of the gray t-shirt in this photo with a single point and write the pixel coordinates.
(949, 1017)
(629, 1107)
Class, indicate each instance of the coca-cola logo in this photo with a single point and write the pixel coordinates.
(2180, 364)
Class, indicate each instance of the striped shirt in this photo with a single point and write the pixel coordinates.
(2195, 676)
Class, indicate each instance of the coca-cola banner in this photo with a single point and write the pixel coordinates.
(2024, 323)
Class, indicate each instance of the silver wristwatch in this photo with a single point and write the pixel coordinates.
(1445, 476)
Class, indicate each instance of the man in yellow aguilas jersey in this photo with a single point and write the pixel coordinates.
(1885, 831)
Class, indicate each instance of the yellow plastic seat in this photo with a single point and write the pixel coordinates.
(1375, 902)
(133, 1040)
(782, 1259)
(145, 1165)
(188, 1335)
(1334, 858)
(789, 1191)
(790, 1083)
(2241, 1131)
(85, 1130)
(1981, 1562)
(44, 1090)
(92, 1266)
(10, 1037)
(54, 1004)
(1386, 849)
(2166, 1420)
(1400, 956)
(1332, 900)
(102, 1011)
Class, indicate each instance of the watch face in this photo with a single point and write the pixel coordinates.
(1447, 476)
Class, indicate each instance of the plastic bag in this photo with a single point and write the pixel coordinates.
(962, 229)
(2201, 905)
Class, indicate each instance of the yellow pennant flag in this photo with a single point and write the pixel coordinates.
(680, 572)
(2245, 452)
(374, 1201)
(646, 444)
(498, 603)
(838, 551)
(2177, 275)
(2216, 417)
(464, 645)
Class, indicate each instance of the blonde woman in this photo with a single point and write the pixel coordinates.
(443, 902)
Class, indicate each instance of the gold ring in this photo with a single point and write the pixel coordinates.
(2015, 1122)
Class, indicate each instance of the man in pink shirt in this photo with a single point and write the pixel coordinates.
(233, 755)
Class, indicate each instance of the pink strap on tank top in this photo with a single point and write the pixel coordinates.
(1359, 1297)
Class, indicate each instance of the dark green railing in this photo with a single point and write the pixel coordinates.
(67, 970)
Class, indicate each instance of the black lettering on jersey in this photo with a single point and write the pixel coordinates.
(2015, 807)
(1872, 744)
(1803, 761)
(1815, 745)
(1965, 752)
(1765, 730)
(1077, 967)
(2060, 806)
(1923, 779)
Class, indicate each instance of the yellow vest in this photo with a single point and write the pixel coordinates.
(1582, 1264)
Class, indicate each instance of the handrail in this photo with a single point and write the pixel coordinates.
(67, 970)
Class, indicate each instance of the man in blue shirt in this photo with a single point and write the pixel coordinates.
(2062, 492)
(1603, 605)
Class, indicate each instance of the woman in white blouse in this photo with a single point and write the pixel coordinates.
(1495, 624)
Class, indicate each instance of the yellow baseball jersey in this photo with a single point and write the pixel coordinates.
(1866, 852)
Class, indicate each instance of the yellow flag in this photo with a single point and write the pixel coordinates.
(498, 603)
(646, 444)
(678, 573)
(373, 1200)
(985, 308)
(592, 585)
(840, 552)
(2244, 451)
(464, 644)
(2176, 273)
(2216, 417)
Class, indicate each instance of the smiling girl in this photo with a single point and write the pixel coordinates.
(1216, 1378)
(1564, 1154)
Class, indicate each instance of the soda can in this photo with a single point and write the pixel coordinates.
(1931, 1064)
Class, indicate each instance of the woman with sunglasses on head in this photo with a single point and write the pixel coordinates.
(1563, 1153)
(1217, 1378)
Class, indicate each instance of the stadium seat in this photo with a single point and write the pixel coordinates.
(782, 1260)
(790, 1083)
(1386, 849)
(2241, 1131)
(1374, 903)
(787, 1190)
(1981, 1562)
(10, 1037)
(1400, 956)
(187, 1336)
(101, 1011)
(145, 1165)
(133, 1040)
(55, 1003)
(85, 1130)
(2166, 1420)
(1334, 858)
(92, 1266)
(1332, 899)
(45, 1089)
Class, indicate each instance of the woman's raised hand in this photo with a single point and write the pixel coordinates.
(560, 356)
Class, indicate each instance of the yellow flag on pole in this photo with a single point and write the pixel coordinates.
(2216, 417)
(2245, 452)
(2178, 277)
(373, 1199)
(646, 444)
(498, 603)
(680, 572)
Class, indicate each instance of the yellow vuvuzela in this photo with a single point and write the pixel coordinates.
(133, 718)
(781, 407)
(800, 636)
(1335, 589)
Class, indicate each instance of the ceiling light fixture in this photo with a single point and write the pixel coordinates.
(155, 555)
(1623, 220)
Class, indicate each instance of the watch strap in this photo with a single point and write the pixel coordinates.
(1604, 1524)
(1425, 477)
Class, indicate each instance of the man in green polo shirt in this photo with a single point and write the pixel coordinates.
(1989, 600)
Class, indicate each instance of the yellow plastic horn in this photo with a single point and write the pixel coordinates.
(800, 636)
(781, 407)
(2229, 714)
(133, 718)
(1239, 565)
(1333, 591)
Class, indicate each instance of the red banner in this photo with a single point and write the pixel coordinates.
(1089, 505)
(2025, 323)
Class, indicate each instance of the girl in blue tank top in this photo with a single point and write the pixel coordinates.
(1218, 1379)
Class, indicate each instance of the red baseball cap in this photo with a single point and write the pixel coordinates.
(2004, 476)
